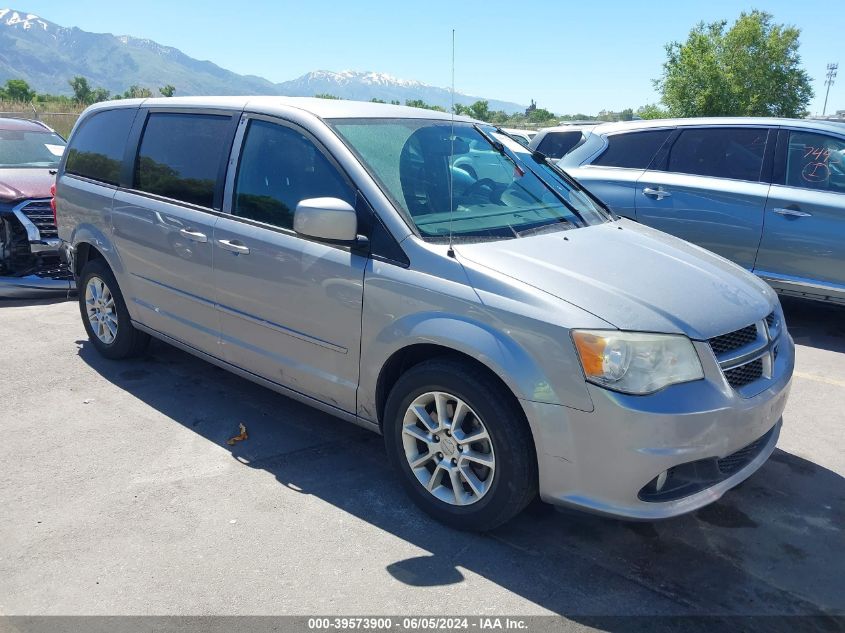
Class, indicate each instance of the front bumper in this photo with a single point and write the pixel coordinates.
(42, 284)
(600, 461)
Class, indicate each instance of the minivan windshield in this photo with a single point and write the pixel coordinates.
(477, 183)
(23, 148)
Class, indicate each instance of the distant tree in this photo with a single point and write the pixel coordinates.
(137, 92)
(461, 109)
(17, 90)
(419, 103)
(167, 91)
(98, 94)
(652, 111)
(480, 110)
(626, 115)
(81, 89)
(540, 115)
(374, 100)
(752, 68)
(325, 95)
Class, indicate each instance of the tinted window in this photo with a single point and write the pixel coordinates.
(96, 150)
(735, 153)
(815, 161)
(280, 167)
(180, 156)
(558, 144)
(634, 150)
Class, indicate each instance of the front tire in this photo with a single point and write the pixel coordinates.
(460, 444)
(105, 316)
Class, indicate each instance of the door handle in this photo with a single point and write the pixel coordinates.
(194, 236)
(791, 213)
(657, 194)
(234, 246)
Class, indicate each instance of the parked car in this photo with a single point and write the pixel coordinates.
(29, 244)
(768, 194)
(522, 136)
(505, 334)
(556, 142)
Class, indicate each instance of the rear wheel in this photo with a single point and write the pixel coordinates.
(461, 446)
(104, 314)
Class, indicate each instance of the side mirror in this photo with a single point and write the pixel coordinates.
(329, 219)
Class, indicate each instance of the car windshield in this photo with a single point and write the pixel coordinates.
(476, 184)
(24, 148)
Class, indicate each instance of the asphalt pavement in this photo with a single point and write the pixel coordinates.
(120, 495)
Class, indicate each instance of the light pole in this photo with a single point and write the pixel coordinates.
(831, 75)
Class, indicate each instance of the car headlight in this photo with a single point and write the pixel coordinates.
(636, 362)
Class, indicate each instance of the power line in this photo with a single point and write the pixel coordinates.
(829, 77)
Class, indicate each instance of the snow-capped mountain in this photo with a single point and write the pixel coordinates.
(365, 85)
(47, 55)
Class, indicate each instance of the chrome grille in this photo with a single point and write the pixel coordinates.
(41, 215)
(733, 340)
(748, 354)
(745, 374)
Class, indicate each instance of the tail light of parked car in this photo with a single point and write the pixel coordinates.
(53, 203)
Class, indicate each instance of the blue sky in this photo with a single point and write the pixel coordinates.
(568, 57)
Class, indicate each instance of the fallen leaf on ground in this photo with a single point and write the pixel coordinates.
(238, 438)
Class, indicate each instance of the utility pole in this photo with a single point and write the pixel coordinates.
(831, 75)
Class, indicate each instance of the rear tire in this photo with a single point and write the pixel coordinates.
(461, 446)
(104, 314)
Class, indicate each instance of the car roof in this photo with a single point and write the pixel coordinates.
(810, 124)
(26, 125)
(322, 108)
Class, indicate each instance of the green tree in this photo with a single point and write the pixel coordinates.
(752, 68)
(479, 110)
(652, 111)
(419, 103)
(167, 91)
(81, 89)
(540, 115)
(325, 95)
(98, 94)
(17, 90)
(137, 92)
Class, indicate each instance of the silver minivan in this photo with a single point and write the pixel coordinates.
(437, 282)
(767, 193)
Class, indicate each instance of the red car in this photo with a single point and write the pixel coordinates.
(29, 262)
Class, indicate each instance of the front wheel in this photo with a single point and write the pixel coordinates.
(461, 445)
(104, 314)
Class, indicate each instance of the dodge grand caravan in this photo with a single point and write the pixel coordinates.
(436, 282)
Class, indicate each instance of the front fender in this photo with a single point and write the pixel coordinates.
(476, 339)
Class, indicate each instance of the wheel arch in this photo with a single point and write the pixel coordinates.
(424, 337)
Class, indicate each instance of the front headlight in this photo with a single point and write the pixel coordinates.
(636, 362)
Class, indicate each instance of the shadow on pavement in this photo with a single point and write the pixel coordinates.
(815, 324)
(773, 546)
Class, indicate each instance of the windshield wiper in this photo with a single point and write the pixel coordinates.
(497, 145)
(554, 226)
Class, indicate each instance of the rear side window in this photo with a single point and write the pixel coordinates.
(735, 153)
(96, 150)
(559, 144)
(180, 156)
(815, 161)
(632, 151)
(279, 168)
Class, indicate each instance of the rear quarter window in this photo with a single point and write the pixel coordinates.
(559, 144)
(96, 149)
(632, 150)
(734, 153)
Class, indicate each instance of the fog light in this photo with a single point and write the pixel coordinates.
(661, 479)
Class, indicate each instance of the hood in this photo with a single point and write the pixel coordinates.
(20, 184)
(634, 277)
